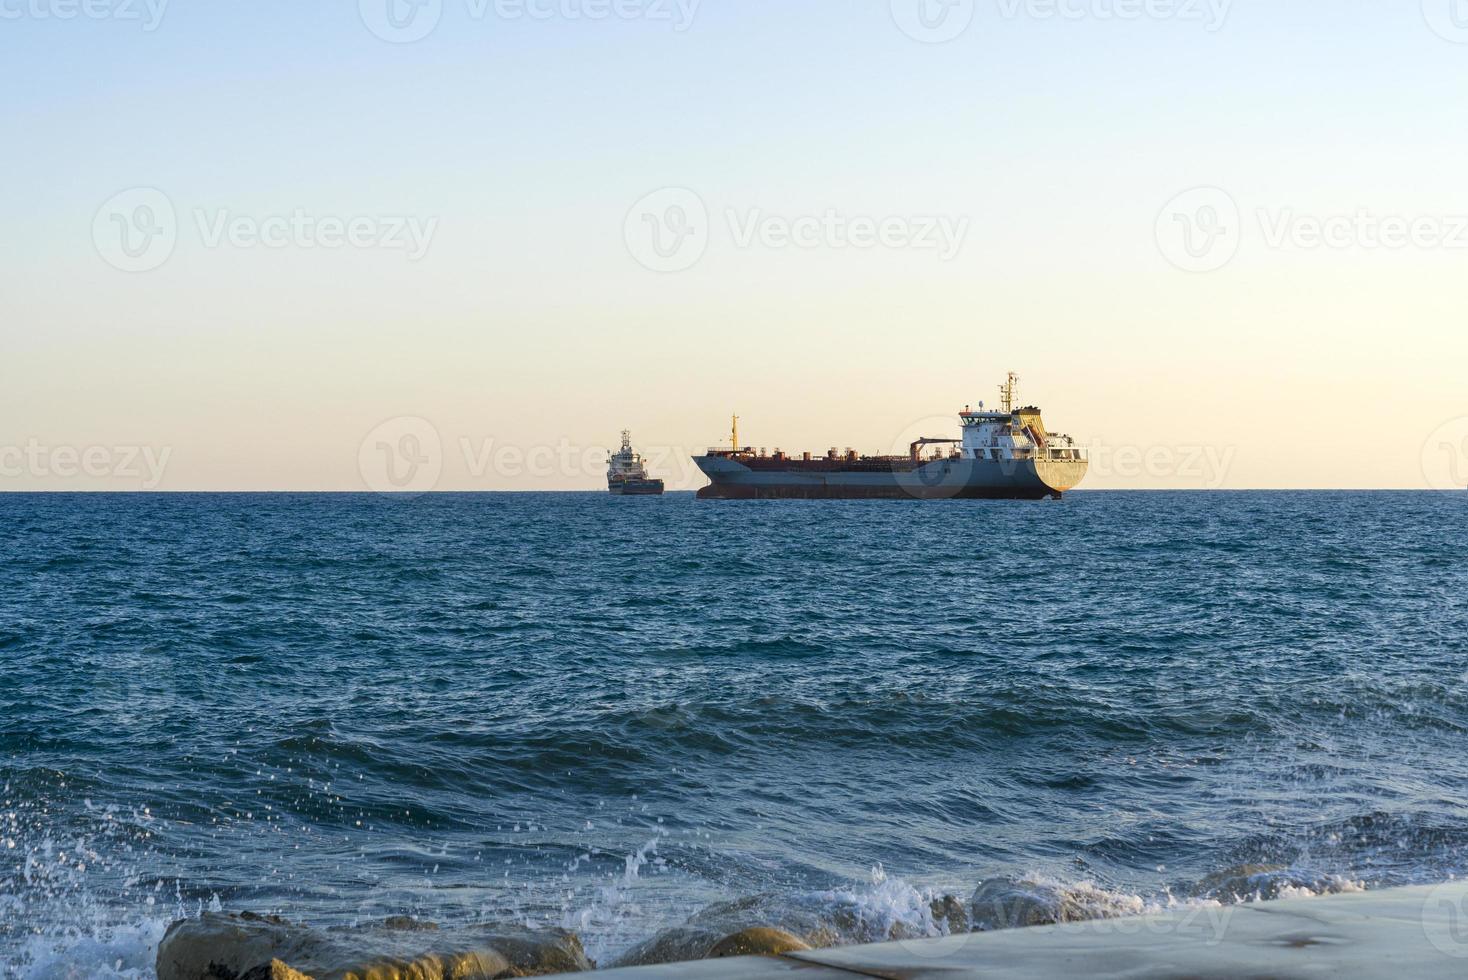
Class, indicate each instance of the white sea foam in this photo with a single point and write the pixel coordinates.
(1327, 885)
(886, 908)
(80, 904)
(614, 913)
(113, 953)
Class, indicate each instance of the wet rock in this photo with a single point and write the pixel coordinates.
(253, 947)
(1004, 903)
(676, 945)
(950, 913)
(773, 924)
(755, 924)
(690, 942)
(757, 941)
(1237, 883)
(1267, 882)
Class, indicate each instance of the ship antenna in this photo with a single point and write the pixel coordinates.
(626, 439)
(1006, 392)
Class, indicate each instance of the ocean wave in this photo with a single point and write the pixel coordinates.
(884, 908)
(345, 708)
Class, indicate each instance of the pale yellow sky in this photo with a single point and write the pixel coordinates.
(1033, 183)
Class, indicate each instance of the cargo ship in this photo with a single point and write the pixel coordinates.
(1004, 454)
(627, 473)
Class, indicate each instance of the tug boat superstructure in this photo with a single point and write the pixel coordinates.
(627, 472)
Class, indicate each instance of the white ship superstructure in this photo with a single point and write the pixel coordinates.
(627, 472)
(1013, 433)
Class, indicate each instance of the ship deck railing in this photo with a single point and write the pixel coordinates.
(1056, 455)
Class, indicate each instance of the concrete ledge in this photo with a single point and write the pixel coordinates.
(1402, 932)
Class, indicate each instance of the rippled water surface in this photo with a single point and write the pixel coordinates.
(607, 714)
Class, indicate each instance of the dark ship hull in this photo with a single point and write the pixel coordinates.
(748, 477)
(635, 488)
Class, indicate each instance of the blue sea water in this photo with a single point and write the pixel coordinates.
(607, 714)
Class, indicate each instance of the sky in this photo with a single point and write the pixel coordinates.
(461, 244)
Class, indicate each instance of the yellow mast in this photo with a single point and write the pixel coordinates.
(734, 433)
(1006, 392)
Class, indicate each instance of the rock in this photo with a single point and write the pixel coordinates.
(676, 945)
(274, 970)
(773, 924)
(1239, 882)
(1268, 882)
(252, 947)
(754, 924)
(1003, 903)
(685, 943)
(951, 913)
(757, 941)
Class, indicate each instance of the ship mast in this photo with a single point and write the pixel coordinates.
(734, 432)
(626, 440)
(1006, 392)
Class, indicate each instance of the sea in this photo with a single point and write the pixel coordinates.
(608, 714)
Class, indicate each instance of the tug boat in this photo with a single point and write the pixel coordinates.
(627, 472)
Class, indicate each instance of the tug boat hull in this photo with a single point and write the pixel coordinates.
(636, 488)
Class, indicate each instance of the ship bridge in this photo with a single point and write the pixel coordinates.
(1013, 433)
